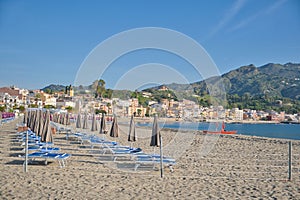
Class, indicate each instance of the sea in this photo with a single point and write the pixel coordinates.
(283, 131)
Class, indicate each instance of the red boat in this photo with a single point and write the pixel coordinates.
(223, 131)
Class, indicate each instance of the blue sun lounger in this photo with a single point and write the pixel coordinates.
(120, 151)
(42, 148)
(60, 157)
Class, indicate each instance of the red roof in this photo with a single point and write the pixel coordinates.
(10, 91)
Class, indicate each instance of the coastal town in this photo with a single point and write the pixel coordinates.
(16, 100)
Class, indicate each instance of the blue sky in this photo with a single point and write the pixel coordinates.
(44, 42)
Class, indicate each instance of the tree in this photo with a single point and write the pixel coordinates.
(21, 108)
(69, 108)
(139, 112)
(134, 94)
(48, 91)
(38, 96)
(98, 111)
(100, 88)
(108, 93)
(49, 106)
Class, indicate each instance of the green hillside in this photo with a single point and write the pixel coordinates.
(272, 86)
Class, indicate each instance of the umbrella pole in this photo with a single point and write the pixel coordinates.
(26, 152)
(161, 156)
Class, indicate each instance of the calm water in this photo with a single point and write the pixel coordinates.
(287, 131)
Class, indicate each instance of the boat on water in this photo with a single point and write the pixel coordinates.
(222, 131)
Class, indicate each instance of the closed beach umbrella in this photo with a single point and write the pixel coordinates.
(94, 124)
(132, 134)
(156, 141)
(85, 121)
(68, 119)
(24, 119)
(38, 122)
(47, 134)
(114, 131)
(32, 121)
(64, 119)
(44, 131)
(78, 121)
(103, 127)
(41, 125)
(58, 118)
(155, 134)
(28, 119)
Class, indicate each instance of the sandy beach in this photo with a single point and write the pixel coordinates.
(225, 167)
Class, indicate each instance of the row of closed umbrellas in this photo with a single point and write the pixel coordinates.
(39, 122)
(114, 131)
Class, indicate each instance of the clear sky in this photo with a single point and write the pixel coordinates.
(44, 42)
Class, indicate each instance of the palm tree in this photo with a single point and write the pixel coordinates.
(100, 88)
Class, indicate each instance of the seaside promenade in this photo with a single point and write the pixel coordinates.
(236, 167)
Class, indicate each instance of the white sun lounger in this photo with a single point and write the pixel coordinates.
(42, 148)
(153, 160)
(60, 157)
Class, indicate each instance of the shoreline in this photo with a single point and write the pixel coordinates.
(173, 120)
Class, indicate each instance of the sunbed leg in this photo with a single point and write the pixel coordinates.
(136, 166)
(61, 163)
(171, 168)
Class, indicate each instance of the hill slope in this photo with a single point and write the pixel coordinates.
(273, 79)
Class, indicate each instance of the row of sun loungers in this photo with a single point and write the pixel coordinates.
(116, 151)
(41, 150)
(6, 120)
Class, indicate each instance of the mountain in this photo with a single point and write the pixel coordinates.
(271, 79)
(274, 79)
(54, 88)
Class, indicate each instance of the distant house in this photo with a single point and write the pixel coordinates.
(65, 102)
(48, 99)
(13, 95)
(163, 88)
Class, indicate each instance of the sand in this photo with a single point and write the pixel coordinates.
(234, 167)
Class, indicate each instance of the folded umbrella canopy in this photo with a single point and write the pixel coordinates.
(85, 121)
(114, 131)
(47, 134)
(103, 128)
(24, 119)
(156, 141)
(94, 123)
(132, 134)
(78, 121)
